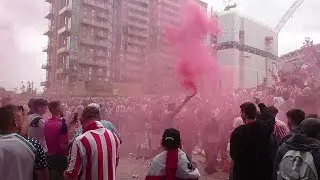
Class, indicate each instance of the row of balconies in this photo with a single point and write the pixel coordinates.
(66, 48)
(131, 5)
(66, 29)
(50, 14)
(96, 23)
(137, 15)
(102, 35)
(88, 61)
(103, 44)
(47, 48)
(94, 3)
(66, 11)
(144, 34)
(103, 15)
(138, 41)
(140, 25)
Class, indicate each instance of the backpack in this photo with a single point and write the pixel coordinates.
(297, 165)
(35, 122)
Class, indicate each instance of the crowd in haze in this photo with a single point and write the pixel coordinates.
(265, 132)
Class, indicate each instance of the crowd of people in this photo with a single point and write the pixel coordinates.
(276, 137)
(81, 138)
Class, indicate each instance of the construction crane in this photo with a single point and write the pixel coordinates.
(269, 40)
(288, 14)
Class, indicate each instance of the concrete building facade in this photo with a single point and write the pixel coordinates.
(108, 47)
(247, 47)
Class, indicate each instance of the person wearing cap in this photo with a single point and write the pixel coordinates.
(106, 124)
(36, 122)
(306, 141)
(172, 163)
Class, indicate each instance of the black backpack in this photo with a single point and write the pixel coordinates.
(35, 122)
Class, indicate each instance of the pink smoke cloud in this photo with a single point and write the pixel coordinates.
(194, 58)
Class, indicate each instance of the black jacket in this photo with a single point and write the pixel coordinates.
(250, 148)
(299, 142)
(292, 133)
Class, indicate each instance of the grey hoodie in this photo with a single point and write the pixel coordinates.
(299, 142)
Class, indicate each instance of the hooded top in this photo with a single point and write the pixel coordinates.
(300, 142)
(172, 165)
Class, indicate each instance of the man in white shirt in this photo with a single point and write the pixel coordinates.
(20, 158)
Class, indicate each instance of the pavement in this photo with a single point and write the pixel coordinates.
(130, 168)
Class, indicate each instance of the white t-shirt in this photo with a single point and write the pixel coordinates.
(37, 133)
(17, 158)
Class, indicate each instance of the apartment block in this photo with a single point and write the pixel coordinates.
(106, 47)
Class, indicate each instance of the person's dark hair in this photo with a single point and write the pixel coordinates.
(312, 116)
(310, 127)
(54, 107)
(296, 116)
(31, 103)
(31, 106)
(171, 139)
(90, 112)
(273, 110)
(249, 110)
(39, 103)
(7, 115)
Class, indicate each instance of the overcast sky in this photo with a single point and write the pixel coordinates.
(22, 24)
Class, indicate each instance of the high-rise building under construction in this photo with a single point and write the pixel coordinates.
(108, 47)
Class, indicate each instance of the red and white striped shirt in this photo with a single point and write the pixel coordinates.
(94, 154)
(281, 130)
